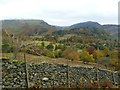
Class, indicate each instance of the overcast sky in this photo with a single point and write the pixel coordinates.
(61, 12)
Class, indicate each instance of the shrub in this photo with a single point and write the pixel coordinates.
(58, 54)
(50, 47)
(48, 53)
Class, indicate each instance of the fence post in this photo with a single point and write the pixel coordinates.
(114, 79)
(97, 76)
(26, 70)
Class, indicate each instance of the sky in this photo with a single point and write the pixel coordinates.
(61, 12)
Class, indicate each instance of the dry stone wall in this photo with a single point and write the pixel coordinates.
(14, 75)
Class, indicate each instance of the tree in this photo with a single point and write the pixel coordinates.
(7, 45)
(97, 54)
(114, 54)
(114, 58)
(11, 43)
(86, 57)
(71, 54)
(106, 52)
(91, 50)
(35, 49)
(114, 62)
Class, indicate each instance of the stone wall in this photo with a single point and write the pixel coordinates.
(14, 75)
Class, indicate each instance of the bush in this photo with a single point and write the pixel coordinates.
(106, 84)
(58, 54)
(48, 53)
(50, 47)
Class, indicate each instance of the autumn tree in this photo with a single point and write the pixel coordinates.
(114, 58)
(86, 57)
(71, 54)
(97, 54)
(91, 50)
(114, 63)
(106, 52)
(114, 54)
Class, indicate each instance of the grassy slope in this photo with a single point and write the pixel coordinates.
(42, 59)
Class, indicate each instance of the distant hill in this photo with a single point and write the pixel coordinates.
(38, 27)
(112, 29)
(86, 24)
(29, 27)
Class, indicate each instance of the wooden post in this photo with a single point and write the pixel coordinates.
(26, 70)
(113, 77)
(97, 76)
(67, 75)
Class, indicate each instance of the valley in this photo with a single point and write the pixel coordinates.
(87, 44)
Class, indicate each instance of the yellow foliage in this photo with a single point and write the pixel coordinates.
(85, 56)
(71, 54)
(98, 54)
(106, 51)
